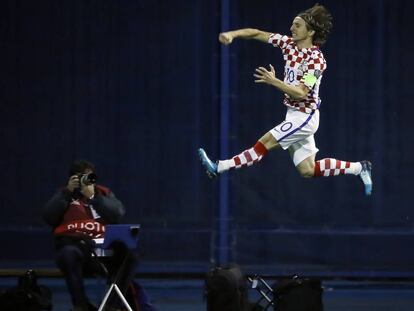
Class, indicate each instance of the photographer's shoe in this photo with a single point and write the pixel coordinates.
(365, 176)
(210, 166)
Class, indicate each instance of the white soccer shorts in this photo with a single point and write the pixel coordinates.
(296, 134)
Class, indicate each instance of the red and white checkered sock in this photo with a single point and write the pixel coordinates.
(246, 158)
(334, 167)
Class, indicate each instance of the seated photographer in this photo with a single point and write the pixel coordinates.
(78, 213)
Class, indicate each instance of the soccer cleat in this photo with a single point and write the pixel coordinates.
(365, 176)
(210, 166)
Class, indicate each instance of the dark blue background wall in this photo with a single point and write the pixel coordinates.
(134, 86)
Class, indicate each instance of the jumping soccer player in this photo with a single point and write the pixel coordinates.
(304, 68)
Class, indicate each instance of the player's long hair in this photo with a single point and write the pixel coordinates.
(318, 19)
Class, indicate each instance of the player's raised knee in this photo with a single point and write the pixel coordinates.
(306, 171)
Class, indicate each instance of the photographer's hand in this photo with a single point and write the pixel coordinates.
(88, 190)
(73, 183)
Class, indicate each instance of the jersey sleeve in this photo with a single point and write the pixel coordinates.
(278, 40)
(315, 69)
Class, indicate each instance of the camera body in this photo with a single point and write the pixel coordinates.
(87, 179)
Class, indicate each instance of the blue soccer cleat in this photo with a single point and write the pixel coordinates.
(365, 176)
(210, 166)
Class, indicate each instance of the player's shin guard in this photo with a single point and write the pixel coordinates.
(334, 167)
(246, 158)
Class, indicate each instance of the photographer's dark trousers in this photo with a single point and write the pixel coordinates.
(74, 258)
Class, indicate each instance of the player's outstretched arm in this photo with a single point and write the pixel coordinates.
(246, 33)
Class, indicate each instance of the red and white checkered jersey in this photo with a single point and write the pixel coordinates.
(301, 64)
